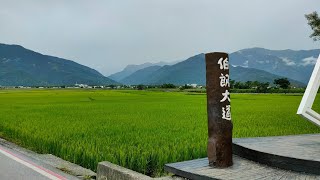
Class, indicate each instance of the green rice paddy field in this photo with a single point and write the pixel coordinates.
(140, 130)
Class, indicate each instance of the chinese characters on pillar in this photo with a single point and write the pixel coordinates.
(225, 82)
(226, 114)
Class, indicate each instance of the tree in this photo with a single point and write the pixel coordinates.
(284, 83)
(239, 85)
(262, 87)
(140, 87)
(248, 85)
(112, 86)
(168, 86)
(232, 82)
(186, 86)
(314, 22)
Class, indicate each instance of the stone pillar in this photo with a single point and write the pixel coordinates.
(219, 110)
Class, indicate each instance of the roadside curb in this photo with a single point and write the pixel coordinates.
(105, 170)
(109, 171)
(52, 161)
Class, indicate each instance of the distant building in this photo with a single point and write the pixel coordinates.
(82, 85)
(193, 85)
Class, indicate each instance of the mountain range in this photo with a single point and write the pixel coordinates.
(297, 65)
(193, 70)
(20, 66)
(131, 68)
(254, 64)
(23, 67)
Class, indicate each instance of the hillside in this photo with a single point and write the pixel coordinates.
(20, 66)
(192, 70)
(132, 68)
(297, 65)
(140, 75)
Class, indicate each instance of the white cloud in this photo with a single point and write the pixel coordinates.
(245, 64)
(288, 62)
(309, 61)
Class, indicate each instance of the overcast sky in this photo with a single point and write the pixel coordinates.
(109, 34)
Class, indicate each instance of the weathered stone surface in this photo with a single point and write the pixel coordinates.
(109, 171)
(306, 146)
(218, 110)
(298, 157)
(170, 178)
(67, 166)
(242, 169)
(299, 153)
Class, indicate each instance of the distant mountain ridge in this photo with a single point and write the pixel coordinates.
(140, 75)
(132, 68)
(192, 70)
(22, 67)
(297, 65)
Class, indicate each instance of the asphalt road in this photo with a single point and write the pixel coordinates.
(16, 166)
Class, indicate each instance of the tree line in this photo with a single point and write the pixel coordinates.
(252, 86)
(282, 83)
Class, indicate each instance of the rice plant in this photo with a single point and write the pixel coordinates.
(140, 130)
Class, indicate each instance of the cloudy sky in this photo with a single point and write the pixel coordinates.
(109, 34)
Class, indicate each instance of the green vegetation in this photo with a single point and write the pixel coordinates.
(314, 22)
(35, 69)
(283, 83)
(140, 130)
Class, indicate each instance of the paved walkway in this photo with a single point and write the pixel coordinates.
(299, 153)
(300, 146)
(242, 169)
(282, 157)
(16, 166)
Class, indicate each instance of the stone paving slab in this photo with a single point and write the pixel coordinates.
(299, 146)
(279, 157)
(300, 153)
(242, 169)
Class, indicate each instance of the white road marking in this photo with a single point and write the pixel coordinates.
(45, 172)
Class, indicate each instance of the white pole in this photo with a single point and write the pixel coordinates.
(305, 108)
